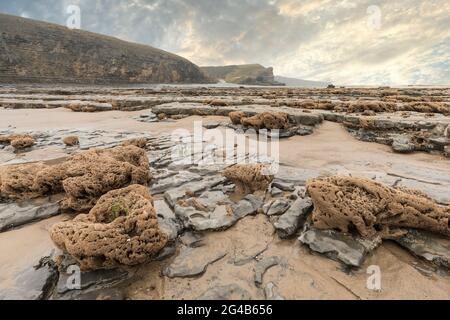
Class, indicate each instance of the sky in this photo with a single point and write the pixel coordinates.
(347, 42)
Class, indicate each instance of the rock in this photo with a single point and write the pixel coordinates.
(17, 214)
(83, 178)
(227, 292)
(285, 186)
(34, 283)
(402, 144)
(147, 117)
(248, 205)
(338, 246)
(121, 229)
(249, 178)
(192, 239)
(429, 246)
(115, 61)
(166, 252)
(210, 199)
(274, 191)
(294, 176)
(278, 207)
(211, 125)
(71, 141)
(294, 217)
(89, 283)
(263, 265)
(168, 222)
(447, 151)
(174, 181)
(192, 262)
(270, 292)
(175, 194)
(438, 192)
(221, 217)
(380, 211)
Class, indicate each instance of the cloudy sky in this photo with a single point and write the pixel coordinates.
(390, 42)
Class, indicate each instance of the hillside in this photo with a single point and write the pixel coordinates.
(250, 74)
(34, 51)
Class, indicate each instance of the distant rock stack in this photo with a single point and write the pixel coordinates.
(34, 51)
(246, 74)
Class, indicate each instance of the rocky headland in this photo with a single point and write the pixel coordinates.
(30, 49)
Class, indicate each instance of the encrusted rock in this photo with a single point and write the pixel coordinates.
(83, 178)
(372, 209)
(122, 228)
(137, 142)
(236, 116)
(18, 141)
(249, 178)
(71, 141)
(267, 120)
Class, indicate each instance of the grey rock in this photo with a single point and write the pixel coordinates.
(192, 262)
(447, 151)
(438, 192)
(90, 281)
(295, 176)
(285, 186)
(305, 130)
(211, 125)
(274, 191)
(175, 194)
(192, 239)
(242, 257)
(174, 181)
(263, 265)
(227, 292)
(167, 220)
(33, 283)
(294, 217)
(278, 207)
(221, 217)
(248, 205)
(210, 199)
(402, 144)
(270, 292)
(351, 251)
(429, 246)
(166, 252)
(16, 214)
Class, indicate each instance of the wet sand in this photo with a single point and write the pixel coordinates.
(307, 275)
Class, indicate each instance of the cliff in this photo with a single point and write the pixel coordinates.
(250, 74)
(34, 51)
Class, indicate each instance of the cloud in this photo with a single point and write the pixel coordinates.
(345, 41)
